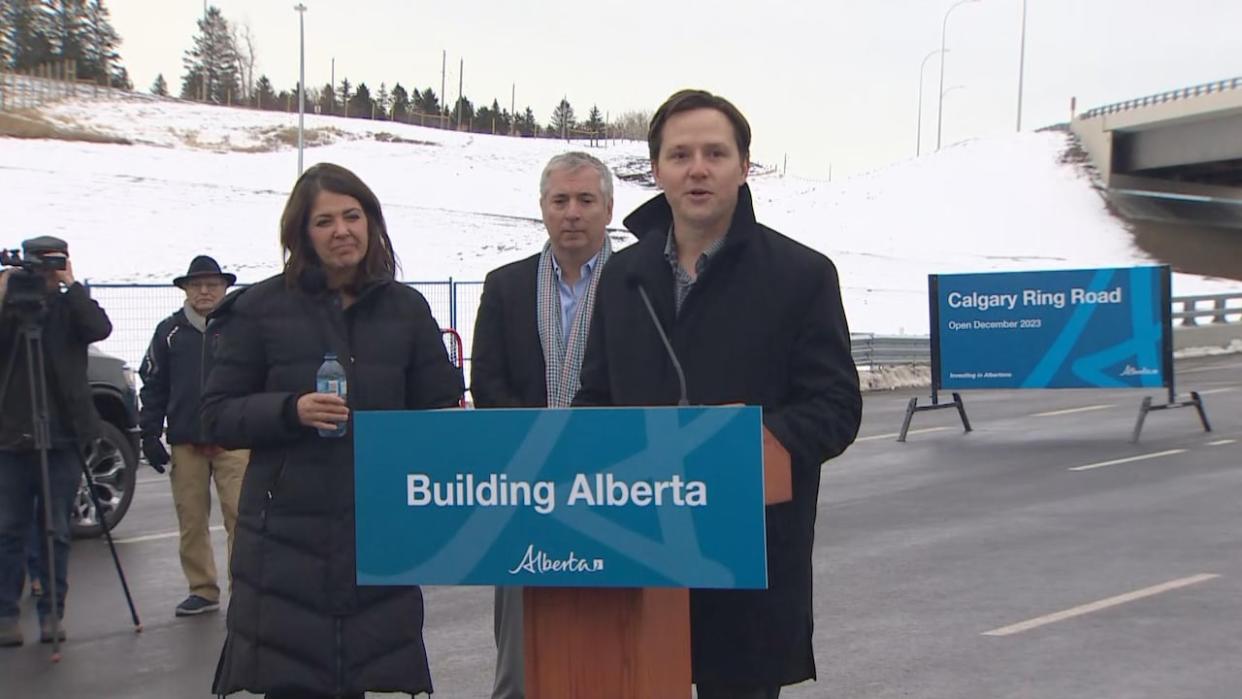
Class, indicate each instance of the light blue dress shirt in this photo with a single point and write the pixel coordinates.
(571, 294)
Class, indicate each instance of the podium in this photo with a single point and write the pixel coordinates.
(621, 643)
(606, 516)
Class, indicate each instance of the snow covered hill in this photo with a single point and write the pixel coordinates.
(212, 179)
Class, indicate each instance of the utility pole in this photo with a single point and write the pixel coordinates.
(443, 97)
(461, 79)
(332, 84)
(1021, 64)
(513, 110)
(301, 10)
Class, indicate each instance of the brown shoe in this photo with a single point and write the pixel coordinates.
(36, 588)
(10, 633)
(45, 630)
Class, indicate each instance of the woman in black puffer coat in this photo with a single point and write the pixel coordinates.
(298, 624)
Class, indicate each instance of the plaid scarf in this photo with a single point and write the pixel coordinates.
(562, 357)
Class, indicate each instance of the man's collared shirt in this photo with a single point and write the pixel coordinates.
(684, 282)
(571, 294)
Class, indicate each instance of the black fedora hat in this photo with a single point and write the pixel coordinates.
(204, 266)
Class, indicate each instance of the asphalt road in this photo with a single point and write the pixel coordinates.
(1041, 556)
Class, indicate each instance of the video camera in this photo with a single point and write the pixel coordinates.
(27, 288)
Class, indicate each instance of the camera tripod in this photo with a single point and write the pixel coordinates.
(30, 336)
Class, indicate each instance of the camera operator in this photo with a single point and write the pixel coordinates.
(70, 322)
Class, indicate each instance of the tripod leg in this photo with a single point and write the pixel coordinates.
(116, 560)
(35, 374)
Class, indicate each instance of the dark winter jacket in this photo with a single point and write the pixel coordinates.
(297, 619)
(507, 367)
(763, 325)
(72, 322)
(173, 373)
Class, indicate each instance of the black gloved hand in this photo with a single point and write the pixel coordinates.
(156, 454)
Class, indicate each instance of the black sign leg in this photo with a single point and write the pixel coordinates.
(1198, 403)
(961, 410)
(1144, 408)
(911, 408)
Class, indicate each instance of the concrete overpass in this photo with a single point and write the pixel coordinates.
(1172, 157)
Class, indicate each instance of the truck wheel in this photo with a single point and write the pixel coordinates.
(114, 468)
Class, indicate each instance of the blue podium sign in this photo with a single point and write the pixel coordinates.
(590, 497)
(1090, 328)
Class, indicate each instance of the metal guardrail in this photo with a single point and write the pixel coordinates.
(1170, 96)
(871, 350)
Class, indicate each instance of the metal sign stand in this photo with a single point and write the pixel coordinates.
(1195, 401)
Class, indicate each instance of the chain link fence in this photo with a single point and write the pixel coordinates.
(49, 82)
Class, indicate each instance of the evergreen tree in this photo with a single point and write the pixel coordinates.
(327, 99)
(346, 93)
(160, 86)
(484, 120)
(429, 105)
(463, 114)
(400, 107)
(504, 121)
(526, 124)
(29, 28)
(6, 36)
(66, 19)
(264, 94)
(381, 101)
(595, 122)
(361, 104)
(99, 43)
(562, 119)
(211, 65)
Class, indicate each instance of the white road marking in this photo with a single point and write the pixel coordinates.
(164, 535)
(1070, 411)
(1210, 391)
(1101, 604)
(1221, 442)
(145, 481)
(1128, 459)
(892, 435)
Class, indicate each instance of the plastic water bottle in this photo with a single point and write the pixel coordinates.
(331, 379)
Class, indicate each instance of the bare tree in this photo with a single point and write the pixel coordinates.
(247, 56)
(631, 125)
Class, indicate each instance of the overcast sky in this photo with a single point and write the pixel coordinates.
(832, 84)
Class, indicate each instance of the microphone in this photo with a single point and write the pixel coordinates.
(633, 282)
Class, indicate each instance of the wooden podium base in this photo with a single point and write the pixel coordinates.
(607, 643)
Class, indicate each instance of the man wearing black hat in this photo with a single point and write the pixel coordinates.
(70, 321)
(173, 373)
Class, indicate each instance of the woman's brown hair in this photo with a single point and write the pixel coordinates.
(380, 262)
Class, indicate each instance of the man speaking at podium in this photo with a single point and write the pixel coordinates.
(711, 307)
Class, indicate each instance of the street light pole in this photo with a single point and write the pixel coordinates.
(918, 138)
(948, 90)
(1021, 64)
(301, 10)
(944, 26)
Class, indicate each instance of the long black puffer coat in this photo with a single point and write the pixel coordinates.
(297, 620)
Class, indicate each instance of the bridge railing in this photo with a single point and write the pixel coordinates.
(1221, 308)
(1170, 96)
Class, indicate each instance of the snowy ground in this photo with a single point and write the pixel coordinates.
(210, 179)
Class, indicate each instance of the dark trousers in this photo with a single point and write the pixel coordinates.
(735, 692)
(20, 484)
